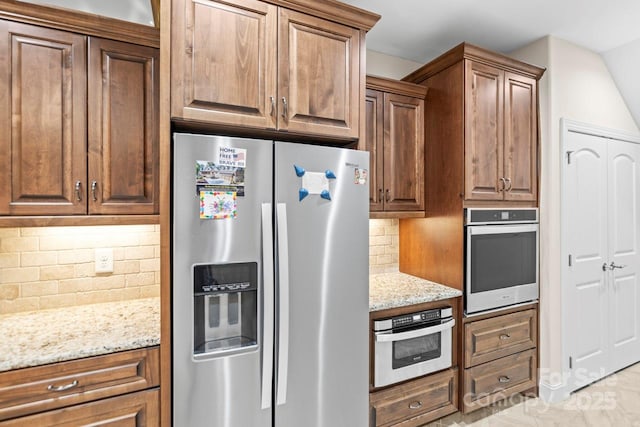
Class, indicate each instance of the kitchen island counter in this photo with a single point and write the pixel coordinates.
(392, 290)
(47, 336)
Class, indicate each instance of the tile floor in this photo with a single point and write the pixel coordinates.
(612, 402)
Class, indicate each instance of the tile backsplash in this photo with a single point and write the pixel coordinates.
(52, 267)
(383, 245)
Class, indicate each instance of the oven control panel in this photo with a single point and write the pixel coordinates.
(412, 319)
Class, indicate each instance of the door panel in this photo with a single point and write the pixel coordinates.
(225, 67)
(123, 137)
(43, 121)
(483, 144)
(624, 238)
(373, 143)
(403, 153)
(328, 292)
(520, 138)
(318, 76)
(213, 390)
(585, 198)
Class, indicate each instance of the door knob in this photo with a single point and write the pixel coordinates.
(613, 266)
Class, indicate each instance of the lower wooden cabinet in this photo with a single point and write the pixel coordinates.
(487, 383)
(137, 409)
(500, 356)
(416, 402)
(68, 393)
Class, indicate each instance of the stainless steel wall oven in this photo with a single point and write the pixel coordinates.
(501, 257)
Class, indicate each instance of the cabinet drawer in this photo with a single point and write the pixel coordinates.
(141, 409)
(493, 381)
(42, 388)
(500, 336)
(416, 402)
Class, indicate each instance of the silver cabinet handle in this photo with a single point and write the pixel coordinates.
(415, 333)
(605, 267)
(504, 184)
(94, 184)
(613, 266)
(504, 379)
(273, 105)
(505, 336)
(284, 108)
(508, 180)
(415, 405)
(380, 194)
(65, 387)
(388, 196)
(78, 191)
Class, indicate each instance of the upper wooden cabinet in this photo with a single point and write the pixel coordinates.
(249, 63)
(51, 161)
(394, 137)
(495, 99)
(123, 131)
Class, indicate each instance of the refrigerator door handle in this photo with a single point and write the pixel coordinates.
(268, 305)
(283, 304)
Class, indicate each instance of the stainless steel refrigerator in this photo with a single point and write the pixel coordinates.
(269, 284)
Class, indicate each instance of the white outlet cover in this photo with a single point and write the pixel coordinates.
(104, 260)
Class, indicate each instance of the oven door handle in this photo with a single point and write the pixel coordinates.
(387, 337)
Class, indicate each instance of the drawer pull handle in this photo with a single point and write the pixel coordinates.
(415, 405)
(504, 379)
(505, 336)
(65, 387)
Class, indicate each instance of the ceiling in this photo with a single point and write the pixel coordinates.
(420, 30)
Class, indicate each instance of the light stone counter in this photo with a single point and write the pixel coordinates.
(391, 290)
(47, 336)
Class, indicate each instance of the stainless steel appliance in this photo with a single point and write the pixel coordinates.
(270, 284)
(412, 345)
(501, 260)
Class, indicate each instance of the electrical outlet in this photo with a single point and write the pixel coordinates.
(104, 260)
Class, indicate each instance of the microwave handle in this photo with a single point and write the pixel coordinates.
(386, 337)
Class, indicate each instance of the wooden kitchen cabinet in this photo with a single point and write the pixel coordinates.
(501, 134)
(270, 67)
(495, 99)
(43, 117)
(123, 135)
(71, 392)
(80, 134)
(394, 137)
(500, 353)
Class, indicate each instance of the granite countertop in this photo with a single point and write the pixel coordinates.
(47, 336)
(391, 290)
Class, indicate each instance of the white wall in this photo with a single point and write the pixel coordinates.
(623, 65)
(138, 11)
(578, 86)
(383, 65)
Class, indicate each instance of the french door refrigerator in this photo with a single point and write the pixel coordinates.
(269, 284)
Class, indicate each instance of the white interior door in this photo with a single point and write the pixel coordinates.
(585, 201)
(624, 237)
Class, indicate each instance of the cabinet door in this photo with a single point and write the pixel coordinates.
(43, 121)
(372, 141)
(224, 62)
(520, 138)
(141, 409)
(483, 143)
(318, 76)
(123, 136)
(403, 153)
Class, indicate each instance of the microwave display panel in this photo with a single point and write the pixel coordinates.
(502, 260)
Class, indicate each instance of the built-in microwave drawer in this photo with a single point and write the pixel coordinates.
(416, 402)
(42, 388)
(493, 381)
(491, 339)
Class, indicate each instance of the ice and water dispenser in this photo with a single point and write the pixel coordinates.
(225, 298)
